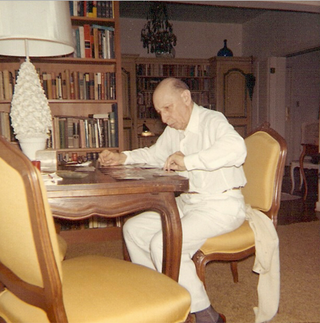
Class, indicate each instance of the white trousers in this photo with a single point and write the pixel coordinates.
(201, 218)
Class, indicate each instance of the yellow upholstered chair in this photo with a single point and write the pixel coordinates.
(264, 167)
(35, 286)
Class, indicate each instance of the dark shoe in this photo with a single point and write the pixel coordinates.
(221, 319)
(209, 315)
(190, 319)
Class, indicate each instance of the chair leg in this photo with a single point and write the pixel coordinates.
(200, 263)
(234, 270)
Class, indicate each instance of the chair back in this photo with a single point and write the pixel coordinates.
(30, 267)
(264, 168)
(310, 133)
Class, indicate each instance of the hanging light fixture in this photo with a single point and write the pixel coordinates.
(157, 34)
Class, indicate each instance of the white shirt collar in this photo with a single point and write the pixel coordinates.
(193, 124)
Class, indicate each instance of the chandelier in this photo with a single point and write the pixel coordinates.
(157, 35)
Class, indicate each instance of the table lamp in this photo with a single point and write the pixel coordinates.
(33, 29)
(146, 131)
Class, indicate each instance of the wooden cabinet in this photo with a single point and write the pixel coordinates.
(145, 74)
(231, 84)
(101, 97)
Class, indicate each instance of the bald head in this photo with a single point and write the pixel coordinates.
(172, 84)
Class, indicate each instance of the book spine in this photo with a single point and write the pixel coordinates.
(81, 42)
(1, 86)
(49, 86)
(76, 131)
(112, 129)
(116, 129)
(45, 84)
(76, 85)
(53, 85)
(81, 86)
(62, 132)
(70, 133)
(87, 41)
(96, 43)
(82, 133)
(67, 84)
(59, 87)
(8, 85)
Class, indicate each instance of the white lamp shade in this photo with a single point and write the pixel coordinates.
(45, 24)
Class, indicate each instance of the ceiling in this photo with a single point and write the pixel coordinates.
(233, 12)
(192, 12)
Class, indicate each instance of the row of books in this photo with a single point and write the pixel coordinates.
(178, 70)
(94, 41)
(195, 84)
(147, 112)
(94, 131)
(202, 98)
(92, 9)
(67, 85)
(73, 85)
(91, 223)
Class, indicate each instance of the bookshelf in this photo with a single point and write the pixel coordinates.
(79, 87)
(146, 73)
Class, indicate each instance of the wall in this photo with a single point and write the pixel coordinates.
(194, 40)
(280, 33)
(303, 101)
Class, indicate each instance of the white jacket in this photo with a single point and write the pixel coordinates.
(267, 264)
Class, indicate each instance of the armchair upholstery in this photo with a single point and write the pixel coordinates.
(264, 167)
(36, 286)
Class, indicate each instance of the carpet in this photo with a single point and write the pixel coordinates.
(300, 277)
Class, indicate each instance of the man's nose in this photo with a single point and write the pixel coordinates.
(164, 117)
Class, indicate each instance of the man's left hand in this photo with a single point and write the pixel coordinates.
(175, 162)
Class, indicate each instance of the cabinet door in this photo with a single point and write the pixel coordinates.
(232, 93)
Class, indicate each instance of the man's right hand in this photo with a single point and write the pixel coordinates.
(110, 158)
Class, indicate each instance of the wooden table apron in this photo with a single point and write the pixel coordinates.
(100, 194)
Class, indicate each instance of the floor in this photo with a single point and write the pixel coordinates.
(293, 209)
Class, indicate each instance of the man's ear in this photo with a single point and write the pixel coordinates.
(186, 96)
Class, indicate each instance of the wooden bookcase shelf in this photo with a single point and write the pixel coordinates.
(98, 99)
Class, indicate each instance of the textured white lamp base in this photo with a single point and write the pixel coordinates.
(30, 146)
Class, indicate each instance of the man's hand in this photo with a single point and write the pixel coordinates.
(109, 158)
(175, 162)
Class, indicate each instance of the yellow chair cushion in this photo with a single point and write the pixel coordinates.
(261, 164)
(232, 242)
(101, 289)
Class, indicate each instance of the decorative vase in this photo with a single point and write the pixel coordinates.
(225, 51)
(165, 54)
(30, 146)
